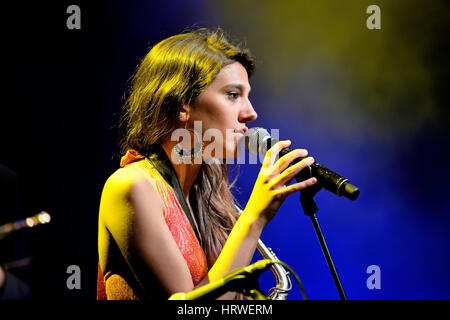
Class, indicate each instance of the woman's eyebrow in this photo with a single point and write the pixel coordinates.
(237, 86)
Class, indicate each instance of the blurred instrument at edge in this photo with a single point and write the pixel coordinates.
(41, 218)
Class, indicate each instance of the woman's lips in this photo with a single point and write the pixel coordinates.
(240, 133)
(240, 136)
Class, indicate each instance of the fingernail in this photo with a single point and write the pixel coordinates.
(311, 160)
(314, 180)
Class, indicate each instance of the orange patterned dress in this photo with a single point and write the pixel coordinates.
(118, 278)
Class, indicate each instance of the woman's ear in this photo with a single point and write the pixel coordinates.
(184, 113)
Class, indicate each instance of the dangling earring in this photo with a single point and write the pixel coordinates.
(187, 156)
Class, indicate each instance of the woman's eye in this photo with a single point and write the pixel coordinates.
(233, 95)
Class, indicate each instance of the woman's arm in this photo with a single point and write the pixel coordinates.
(132, 211)
(154, 242)
(268, 194)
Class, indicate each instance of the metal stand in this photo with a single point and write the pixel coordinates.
(310, 209)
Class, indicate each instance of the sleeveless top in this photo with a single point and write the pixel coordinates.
(119, 280)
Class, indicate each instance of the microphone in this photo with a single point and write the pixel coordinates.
(242, 280)
(259, 141)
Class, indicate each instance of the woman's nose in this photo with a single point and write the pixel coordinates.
(248, 114)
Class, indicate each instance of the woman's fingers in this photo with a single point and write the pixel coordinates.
(270, 188)
(287, 191)
(286, 176)
(272, 153)
(286, 160)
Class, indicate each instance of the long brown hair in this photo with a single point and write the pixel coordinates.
(174, 72)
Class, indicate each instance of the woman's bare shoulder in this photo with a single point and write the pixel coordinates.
(127, 184)
(123, 179)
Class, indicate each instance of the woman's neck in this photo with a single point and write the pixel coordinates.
(187, 173)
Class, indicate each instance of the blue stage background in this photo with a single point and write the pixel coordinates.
(370, 104)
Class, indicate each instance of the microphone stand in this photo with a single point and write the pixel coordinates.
(310, 209)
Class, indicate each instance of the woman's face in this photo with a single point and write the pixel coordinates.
(224, 111)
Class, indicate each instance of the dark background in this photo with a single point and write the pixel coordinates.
(370, 104)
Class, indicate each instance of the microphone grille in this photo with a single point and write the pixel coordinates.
(255, 140)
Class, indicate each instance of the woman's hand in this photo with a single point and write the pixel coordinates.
(268, 194)
(271, 188)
